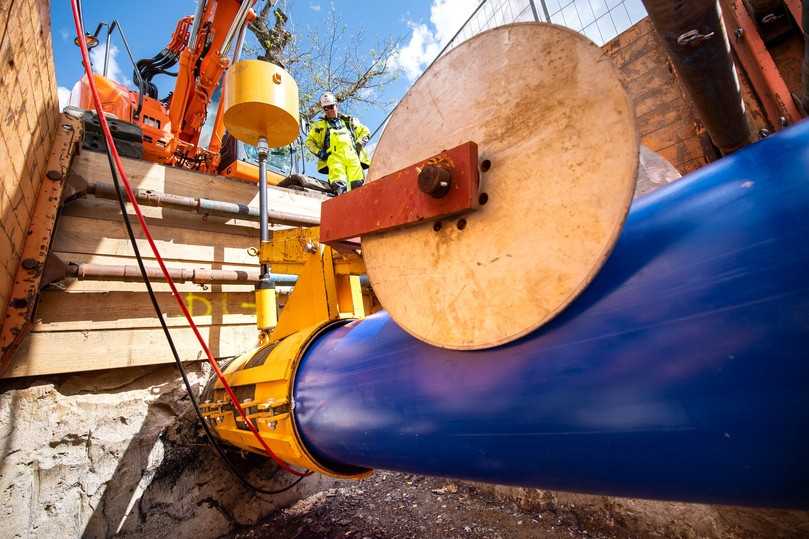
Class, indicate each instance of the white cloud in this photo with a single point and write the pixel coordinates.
(64, 96)
(65, 34)
(314, 7)
(446, 17)
(366, 93)
(114, 70)
(418, 53)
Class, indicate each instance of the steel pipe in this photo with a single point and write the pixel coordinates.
(236, 26)
(697, 44)
(127, 273)
(203, 206)
(680, 373)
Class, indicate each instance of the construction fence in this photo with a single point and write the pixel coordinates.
(600, 20)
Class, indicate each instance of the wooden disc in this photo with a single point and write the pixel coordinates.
(549, 114)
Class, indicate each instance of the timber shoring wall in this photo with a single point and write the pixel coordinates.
(89, 325)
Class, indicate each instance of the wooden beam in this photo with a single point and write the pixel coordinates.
(93, 167)
(73, 351)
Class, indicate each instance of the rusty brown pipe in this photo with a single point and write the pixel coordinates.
(696, 42)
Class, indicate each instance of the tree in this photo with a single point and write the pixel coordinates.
(325, 59)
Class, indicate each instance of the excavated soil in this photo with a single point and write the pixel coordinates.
(393, 505)
(397, 505)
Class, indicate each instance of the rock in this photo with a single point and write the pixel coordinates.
(451, 488)
(120, 452)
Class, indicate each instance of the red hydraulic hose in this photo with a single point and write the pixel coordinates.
(133, 200)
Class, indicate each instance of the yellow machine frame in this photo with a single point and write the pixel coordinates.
(261, 108)
(328, 292)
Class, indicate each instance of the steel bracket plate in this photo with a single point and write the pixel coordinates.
(28, 279)
(395, 201)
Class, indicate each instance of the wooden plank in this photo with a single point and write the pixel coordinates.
(76, 351)
(93, 236)
(60, 311)
(93, 167)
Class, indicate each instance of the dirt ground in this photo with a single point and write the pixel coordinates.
(396, 505)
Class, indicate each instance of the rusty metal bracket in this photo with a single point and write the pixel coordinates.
(442, 185)
(34, 253)
(779, 106)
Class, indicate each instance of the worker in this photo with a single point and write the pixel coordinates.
(338, 141)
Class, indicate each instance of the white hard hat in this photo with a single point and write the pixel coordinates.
(327, 99)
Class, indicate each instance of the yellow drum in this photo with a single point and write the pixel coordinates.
(261, 100)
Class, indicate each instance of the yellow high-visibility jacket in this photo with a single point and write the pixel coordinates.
(338, 142)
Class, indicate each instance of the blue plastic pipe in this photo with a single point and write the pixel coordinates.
(681, 373)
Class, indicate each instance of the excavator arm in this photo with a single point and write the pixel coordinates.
(203, 62)
(168, 130)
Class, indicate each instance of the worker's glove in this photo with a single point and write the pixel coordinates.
(358, 147)
(323, 155)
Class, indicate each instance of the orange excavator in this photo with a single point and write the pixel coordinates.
(168, 130)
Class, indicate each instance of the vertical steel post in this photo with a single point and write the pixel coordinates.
(266, 306)
(107, 49)
(544, 10)
(237, 53)
(192, 37)
(264, 226)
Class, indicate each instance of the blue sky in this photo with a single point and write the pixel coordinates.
(422, 28)
(150, 23)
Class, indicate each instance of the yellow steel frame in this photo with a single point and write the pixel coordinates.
(270, 404)
(328, 291)
(290, 249)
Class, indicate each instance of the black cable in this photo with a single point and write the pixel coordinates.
(211, 438)
(141, 85)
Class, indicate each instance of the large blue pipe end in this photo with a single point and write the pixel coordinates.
(681, 373)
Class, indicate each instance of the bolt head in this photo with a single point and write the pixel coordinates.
(435, 181)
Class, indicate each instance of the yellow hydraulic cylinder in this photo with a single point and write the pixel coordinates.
(266, 306)
(261, 101)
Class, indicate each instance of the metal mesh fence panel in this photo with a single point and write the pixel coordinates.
(600, 20)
